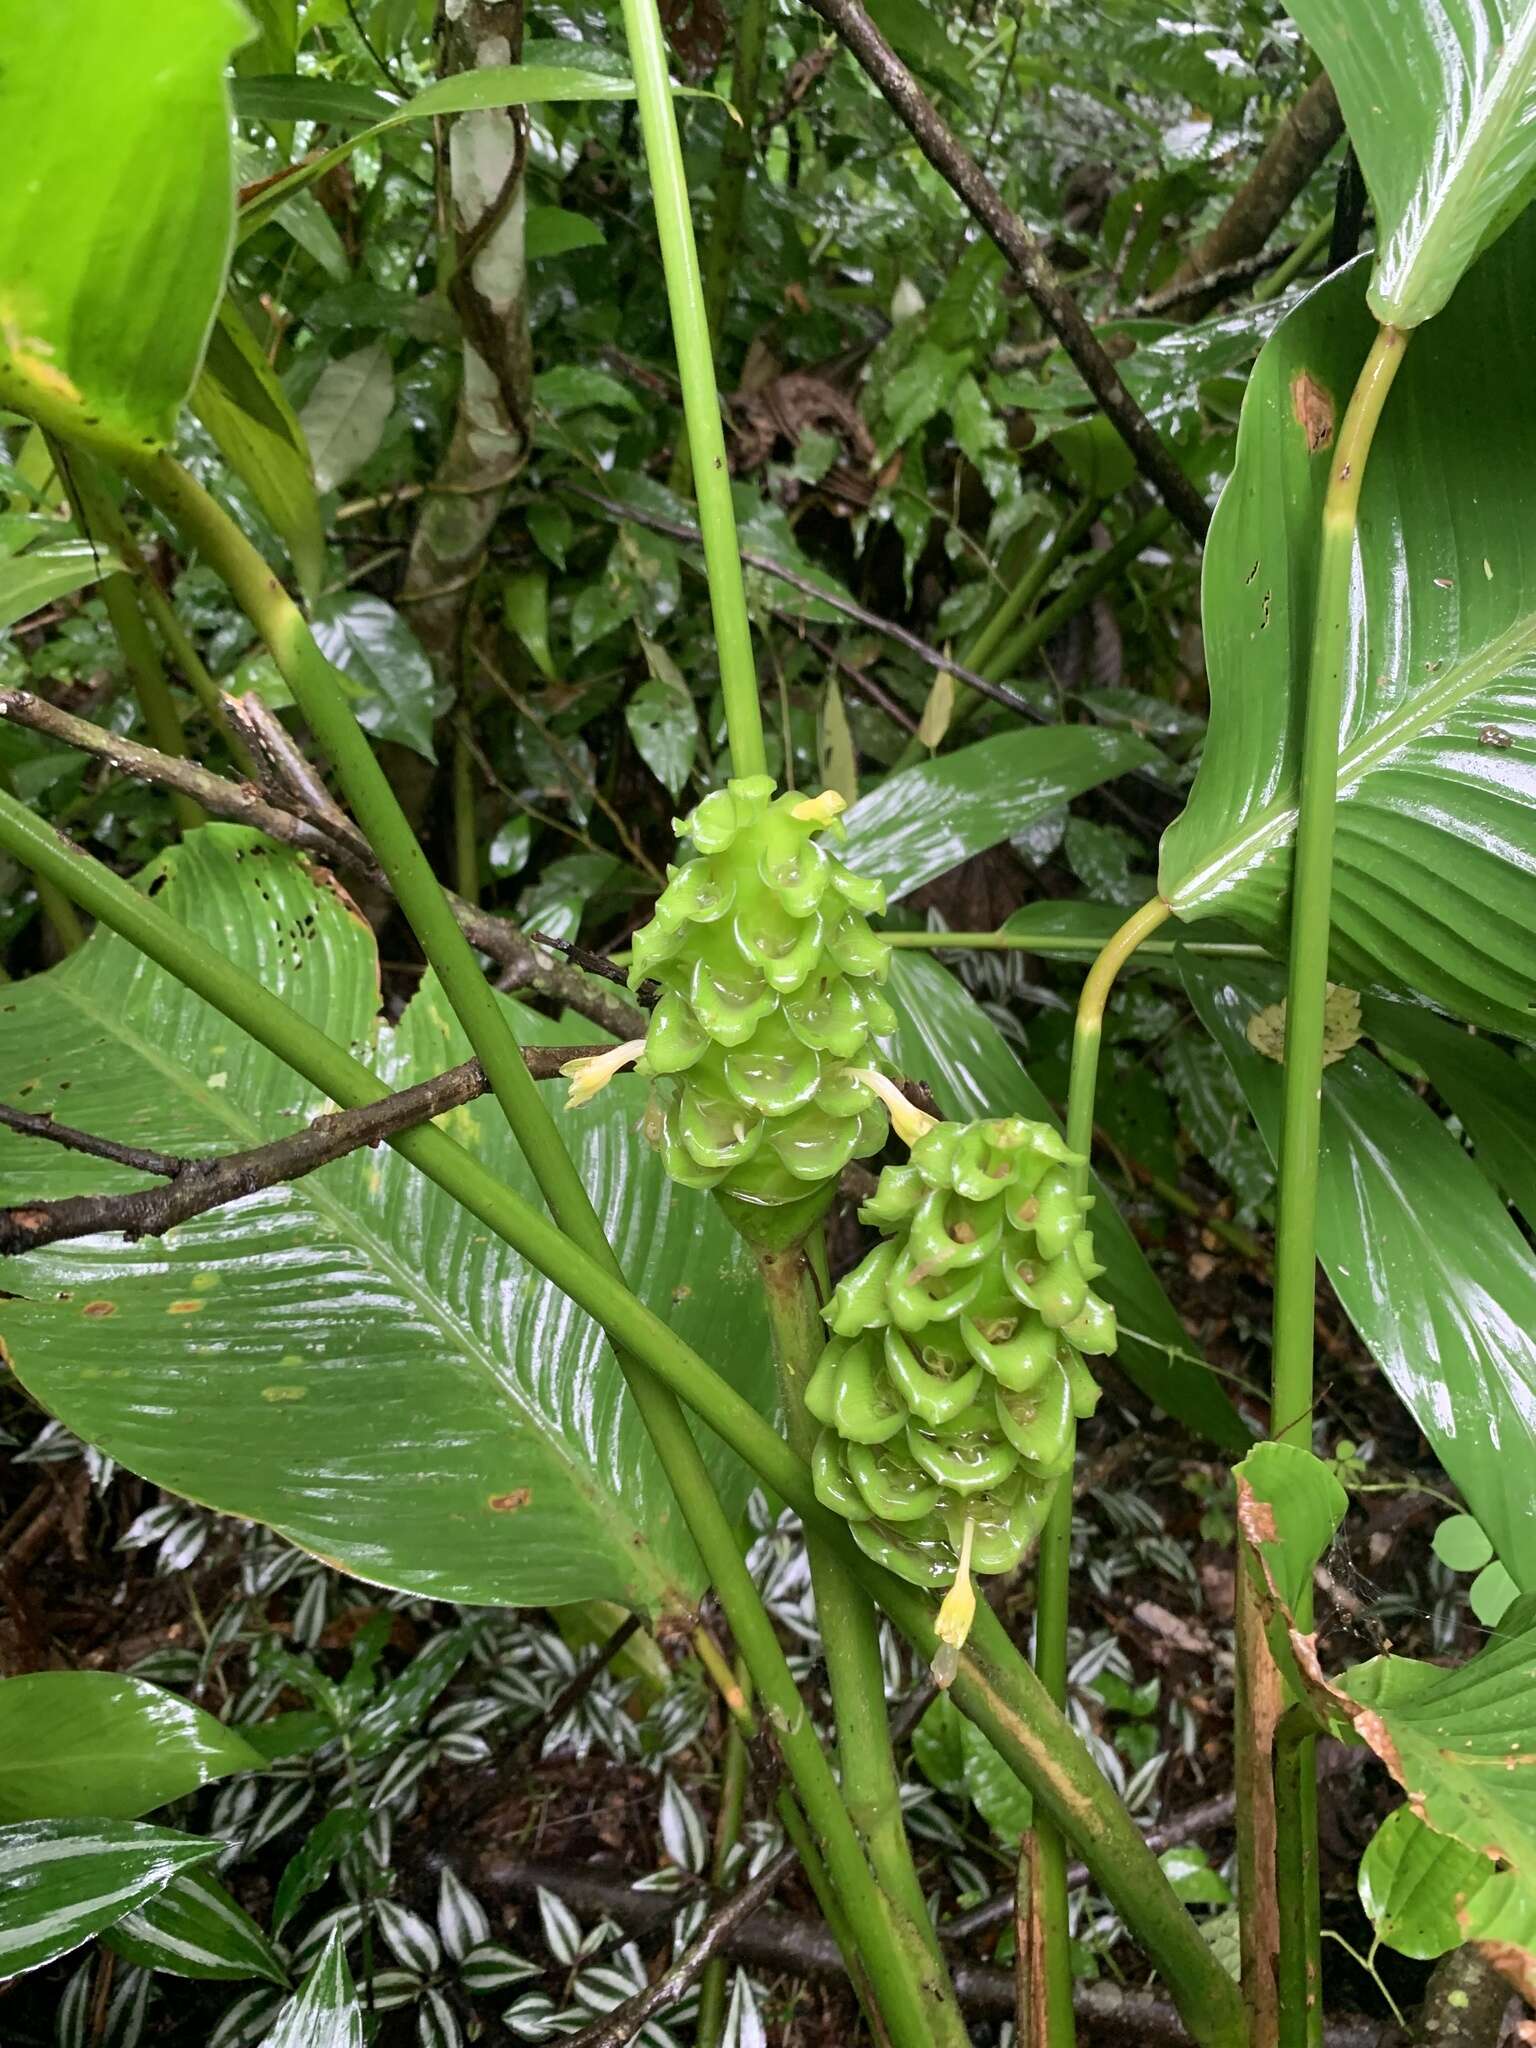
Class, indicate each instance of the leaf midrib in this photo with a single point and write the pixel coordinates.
(626, 1554)
(1275, 825)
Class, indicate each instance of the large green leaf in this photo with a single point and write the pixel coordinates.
(29, 581)
(195, 1929)
(1425, 1258)
(244, 407)
(61, 1881)
(117, 214)
(1492, 1093)
(1415, 1885)
(928, 819)
(352, 1358)
(1436, 852)
(1440, 100)
(947, 1040)
(94, 1742)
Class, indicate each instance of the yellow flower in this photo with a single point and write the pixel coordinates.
(907, 1121)
(820, 810)
(588, 1077)
(955, 1616)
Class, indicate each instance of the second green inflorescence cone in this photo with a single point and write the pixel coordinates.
(951, 1391)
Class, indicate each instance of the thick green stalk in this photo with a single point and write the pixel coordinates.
(95, 515)
(109, 525)
(1050, 1899)
(851, 1644)
(710, 2024)
(695, 369)
(1053, 1566)
(592, 1281)
(1301, 1118)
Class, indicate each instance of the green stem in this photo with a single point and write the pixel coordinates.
(110, 526)
(696, 373)
(1031, 580)
(466, 847)
(96, 516)
(851, 1644)
(1103, 570)
(56, 907)
(994, 1685)
(1060, 942)
(1053, 1568)
(1284, 273)
(733, 1800)
(1311, 893)
(1301, 1120)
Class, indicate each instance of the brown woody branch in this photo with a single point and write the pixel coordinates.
(194, 1186)
(1295, 150)
(970, 183)
(327, 835)
(802, 1946)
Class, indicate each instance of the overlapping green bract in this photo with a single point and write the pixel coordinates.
(955, 1379)
(771, 999)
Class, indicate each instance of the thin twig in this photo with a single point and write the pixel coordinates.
(197, 1185)
(930, 655)
(339, 844)
(166, 1164)
(961, 172)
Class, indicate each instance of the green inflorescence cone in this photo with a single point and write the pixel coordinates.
(952, 1387)
(770, 980)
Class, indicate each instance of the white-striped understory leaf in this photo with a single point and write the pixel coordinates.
(682, 1829)
(461, 1919)
(562, 1930)
(326, 2013)
(195, 1929)
(409, 1936)
(61, 1881)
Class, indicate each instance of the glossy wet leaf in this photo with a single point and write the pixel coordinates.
(195, 1929)
(244, 407)
(116, 218)
(1491, 1092)
(1437, 780)
(326, 2013)
(61, 1881)
(351, 1358)
(947, 1040)
(664, 725)
(29, 582)
(97, 1742)
(929, 818)
(1440, 100)
(492, 85)
(346, 413)
(369, 641)
(1425, 1258)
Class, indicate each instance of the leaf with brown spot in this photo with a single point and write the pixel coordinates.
(1312, 410)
